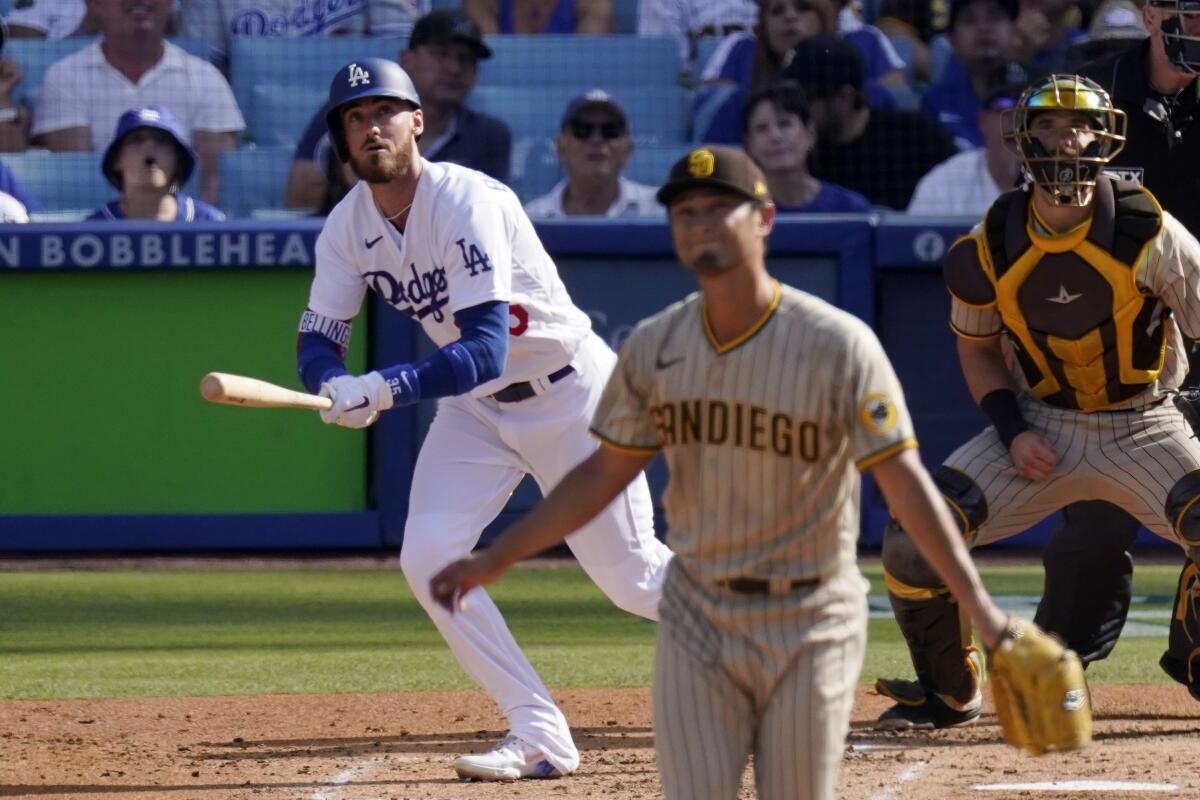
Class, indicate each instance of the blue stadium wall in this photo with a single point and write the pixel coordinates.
(112, 325)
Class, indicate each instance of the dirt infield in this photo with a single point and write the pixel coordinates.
(369, 747)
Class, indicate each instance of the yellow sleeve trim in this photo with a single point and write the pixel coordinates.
(885, 454)
(625, 448)
(976, 336)
(906, 592)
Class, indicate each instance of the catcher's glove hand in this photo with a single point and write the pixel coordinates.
(1041, 697)
(1188, 403)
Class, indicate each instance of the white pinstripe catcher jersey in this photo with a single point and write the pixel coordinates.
(764, 436)
(466, 241)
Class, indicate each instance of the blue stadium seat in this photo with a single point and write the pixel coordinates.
(69, 184)
(625, 16)
(276, 117)
(657, 114)
(568, 60)
(35, 56)
(253, 179)
(650, 164)
(279, 83)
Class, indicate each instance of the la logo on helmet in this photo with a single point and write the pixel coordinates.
(358, 75)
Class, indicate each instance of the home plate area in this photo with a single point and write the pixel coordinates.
(1143, 747)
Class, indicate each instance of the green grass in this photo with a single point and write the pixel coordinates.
(154, 633)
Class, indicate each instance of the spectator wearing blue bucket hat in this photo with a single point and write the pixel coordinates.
(149, 160)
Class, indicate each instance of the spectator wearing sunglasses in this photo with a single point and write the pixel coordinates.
(593, 147)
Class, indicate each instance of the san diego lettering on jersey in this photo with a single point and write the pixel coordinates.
(715, 422)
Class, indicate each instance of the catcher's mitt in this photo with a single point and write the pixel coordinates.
(1188, 403)
(1041, 697)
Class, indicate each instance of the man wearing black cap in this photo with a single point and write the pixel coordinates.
(982, 35)
(766, 403)
(879, 153)
(442, 59)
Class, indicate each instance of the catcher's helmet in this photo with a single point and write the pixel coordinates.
(371, 77)
(1183, 49)
(1065, 175)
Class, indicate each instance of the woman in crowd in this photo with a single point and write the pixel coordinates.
(779, 134)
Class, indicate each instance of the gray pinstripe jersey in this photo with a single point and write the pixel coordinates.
(763, 436)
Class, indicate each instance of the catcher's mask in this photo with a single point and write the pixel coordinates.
(1065, 176)
(1182, 48)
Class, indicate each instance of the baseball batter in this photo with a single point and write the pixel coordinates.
(1091, 282)
(518, 374)
(766, 403)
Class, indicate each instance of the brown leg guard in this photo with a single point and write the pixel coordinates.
(938, 635)
(1182, 659)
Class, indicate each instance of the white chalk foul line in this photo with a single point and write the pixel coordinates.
(907, 774)
(1076, 786)
(335, 784)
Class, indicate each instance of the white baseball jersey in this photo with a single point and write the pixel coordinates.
(467, 241)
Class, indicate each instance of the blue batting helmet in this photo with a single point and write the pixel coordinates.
(371, 77)
(158, 118)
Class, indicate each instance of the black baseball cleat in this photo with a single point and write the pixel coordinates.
(1178, 670)
(917, 709)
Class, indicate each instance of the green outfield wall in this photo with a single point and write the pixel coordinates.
(100, 408)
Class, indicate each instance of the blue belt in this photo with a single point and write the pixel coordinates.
(523, 390)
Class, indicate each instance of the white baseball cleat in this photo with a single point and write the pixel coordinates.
(512, 759)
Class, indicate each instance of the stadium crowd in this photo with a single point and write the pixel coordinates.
(847, 105)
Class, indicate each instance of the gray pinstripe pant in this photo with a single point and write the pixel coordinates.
(737, 675)
(1129, 458)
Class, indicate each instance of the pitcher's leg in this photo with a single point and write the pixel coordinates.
(703, 723)
(802, 734)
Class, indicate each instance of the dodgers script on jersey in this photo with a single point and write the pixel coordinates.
(763, 435)
(456, 252)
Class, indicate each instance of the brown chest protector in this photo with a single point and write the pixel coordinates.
(1085, 335)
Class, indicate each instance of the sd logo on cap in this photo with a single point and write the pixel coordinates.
(716, 167)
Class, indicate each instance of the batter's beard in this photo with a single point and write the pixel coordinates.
(380, 166)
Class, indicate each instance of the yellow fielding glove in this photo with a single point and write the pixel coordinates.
(1039, 690)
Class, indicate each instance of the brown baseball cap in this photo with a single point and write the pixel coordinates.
(716, 167)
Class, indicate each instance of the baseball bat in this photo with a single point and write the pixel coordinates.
(239, 390)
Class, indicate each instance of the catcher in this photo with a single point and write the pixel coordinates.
(1090, 283)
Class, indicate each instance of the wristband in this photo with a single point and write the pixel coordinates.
(1001, 408)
